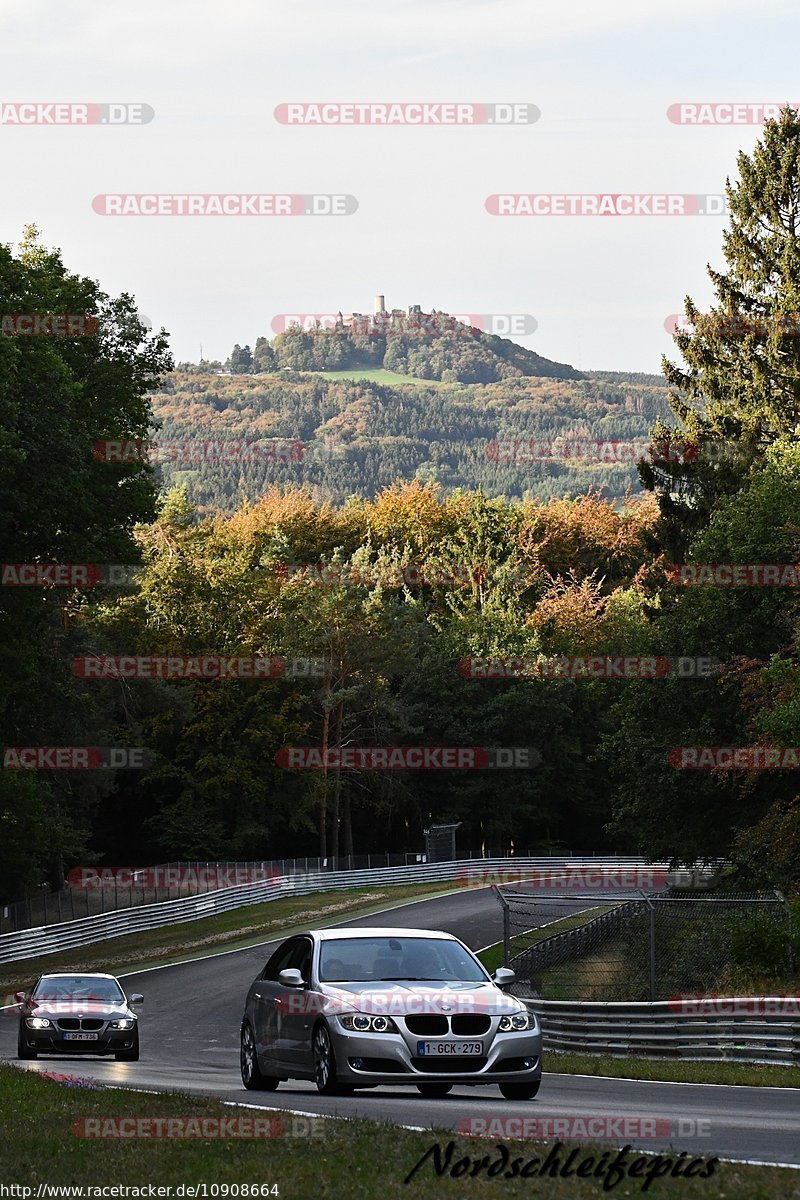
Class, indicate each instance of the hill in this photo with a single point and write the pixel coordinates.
(360, 435)
(435, 346)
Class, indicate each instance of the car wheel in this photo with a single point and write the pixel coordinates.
(520, 1091)
(24, 1051)
(325, 1064)
(434, 1089)
(131, 1055)
(252, 1078)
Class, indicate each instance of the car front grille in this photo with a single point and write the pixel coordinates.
(436, 1025)
(450, 1064)
(469, 1024)
(87, 1023)
(428, 1025)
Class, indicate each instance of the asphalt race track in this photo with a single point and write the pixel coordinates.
(190, 1041)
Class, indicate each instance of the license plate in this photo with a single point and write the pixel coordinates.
(81, 1037)
(443, 1049)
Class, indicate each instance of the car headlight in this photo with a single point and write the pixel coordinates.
(362, 1023)
(37, 1022)
(126, 1023)
(517, 1021)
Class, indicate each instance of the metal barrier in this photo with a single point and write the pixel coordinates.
(718, 1030)
(52, 939)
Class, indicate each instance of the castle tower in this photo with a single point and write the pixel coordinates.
(380, 306)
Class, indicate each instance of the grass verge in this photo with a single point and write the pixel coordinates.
(673, 1070)
(358, 1160)
(237, 929)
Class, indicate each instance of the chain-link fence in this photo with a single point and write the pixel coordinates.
(638, 946)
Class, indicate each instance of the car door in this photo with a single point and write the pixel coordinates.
(266, 1009)
(297, 1011)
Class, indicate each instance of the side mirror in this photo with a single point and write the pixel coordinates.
(291, 977)
(503, 976)
(137, 998)
(20, 997)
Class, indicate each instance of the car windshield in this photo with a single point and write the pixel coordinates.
(400, 959)
(79, 987)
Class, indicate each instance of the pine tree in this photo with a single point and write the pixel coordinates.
(740, 386)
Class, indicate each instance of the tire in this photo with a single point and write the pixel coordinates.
(252, 1077)
(24, 1051)
(131, 1055)
(520, 1091)
(434, 1088)
(325, 1064)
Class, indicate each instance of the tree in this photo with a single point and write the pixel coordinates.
(241, 360)
(740, 386)
(58, 397)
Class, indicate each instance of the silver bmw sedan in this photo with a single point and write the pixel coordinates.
(355, 1008)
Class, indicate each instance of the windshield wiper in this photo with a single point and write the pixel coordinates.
(409, 979)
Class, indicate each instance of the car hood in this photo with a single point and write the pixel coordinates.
(75, 1008)
(400, 999)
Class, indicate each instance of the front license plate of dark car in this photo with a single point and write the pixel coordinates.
(80, 1037)
(442, 1049)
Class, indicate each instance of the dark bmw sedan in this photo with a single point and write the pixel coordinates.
(78, 1014)
(362, 1007)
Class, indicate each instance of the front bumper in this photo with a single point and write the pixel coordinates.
(390, 1058)
(52, 1041)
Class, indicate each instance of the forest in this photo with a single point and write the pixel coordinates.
(359, 436)
(374, 587)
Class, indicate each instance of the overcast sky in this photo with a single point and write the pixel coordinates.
(602, 74)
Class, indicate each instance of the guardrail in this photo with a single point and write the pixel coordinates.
(52, 939)
(661, 1030)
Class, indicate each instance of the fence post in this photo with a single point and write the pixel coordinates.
(788, 913)
(506, 925)
(652, 908)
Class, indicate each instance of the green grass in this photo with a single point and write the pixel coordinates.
(376, 375)
(345, 1160)
(237, 929)
(673, 1070)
